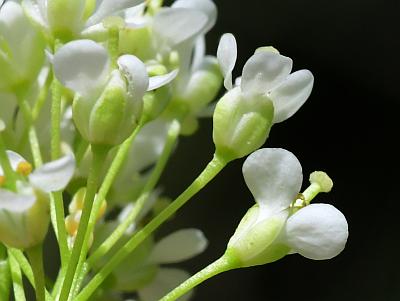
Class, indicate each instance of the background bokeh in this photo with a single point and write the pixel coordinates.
(348, 128)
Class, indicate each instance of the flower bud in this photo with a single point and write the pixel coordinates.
(155, 102)
(21, 49)
(111, 118)
(65, 18)
(136, 41)
(241, 125)
(203, 85)
(256, 239)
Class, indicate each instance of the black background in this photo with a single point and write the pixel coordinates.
(348, 128)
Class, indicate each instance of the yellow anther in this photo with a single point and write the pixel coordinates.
(24, 168)
(72, 223)
(2, 180)
(77, 201)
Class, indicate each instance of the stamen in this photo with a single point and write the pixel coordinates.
(320, 182)
(24, 168)
(2, 180)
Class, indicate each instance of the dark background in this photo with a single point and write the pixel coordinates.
(348, 128)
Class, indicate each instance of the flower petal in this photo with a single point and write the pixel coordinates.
(82, 66)
(174, 26)
(135, 72)
(263, 71)
(14, 159)
(158, 81)
(179, 246)
(15, 202)
(36, 11)
(274, 177)
(206, 6)
(110, 7)
(54, 175)
(227, 55)
(318, 231)
(291, 94)
(166, 280)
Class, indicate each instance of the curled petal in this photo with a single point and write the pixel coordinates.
(227, 55)
(54, 175)
(110, 7)
(179, 246)
(291, 94)
(158, 81)
(166, 280)
(206, 6)
(263, 71)
(274, 177)
(135, 72)
(82, 66)
(174, 26)
(318, 231)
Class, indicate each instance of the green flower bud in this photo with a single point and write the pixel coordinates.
(155, 102)
(203, 85)
(21, 49)
(255, 240)
(110, 118)
(137, 41)
(241, 125)
(66, 18)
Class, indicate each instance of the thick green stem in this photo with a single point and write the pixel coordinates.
(16, 276)
(223, 264)
(212, 169)
(35, 256)
(99, 155)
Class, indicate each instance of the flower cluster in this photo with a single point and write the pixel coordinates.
(96, 94)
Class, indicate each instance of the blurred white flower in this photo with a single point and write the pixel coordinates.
(24, 213)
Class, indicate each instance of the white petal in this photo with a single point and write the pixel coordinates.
(227, 55)
(165, 281)
(291, 94)
(206, 6)
(174, 26)
(54, 175)
(82, 66)
(135, 72)
(263, 71)
(110, 7)
(274, 177)
(15, 202)
(179, 246)
(158, 81)
(318, 231)
(15, 159)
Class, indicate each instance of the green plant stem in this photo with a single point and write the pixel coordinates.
(151, 183)
(27, 269)
(35, 147)
(211, 170)
(57, 217)
(16, 276)
(56, 93)
(35, 255)
(115, 167)
(37, 108)
(11, 177)
(222, 264)
(99, 155)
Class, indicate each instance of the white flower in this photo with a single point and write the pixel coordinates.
(24, 214)
(108, 103)
(267, 74)
(269, 230)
